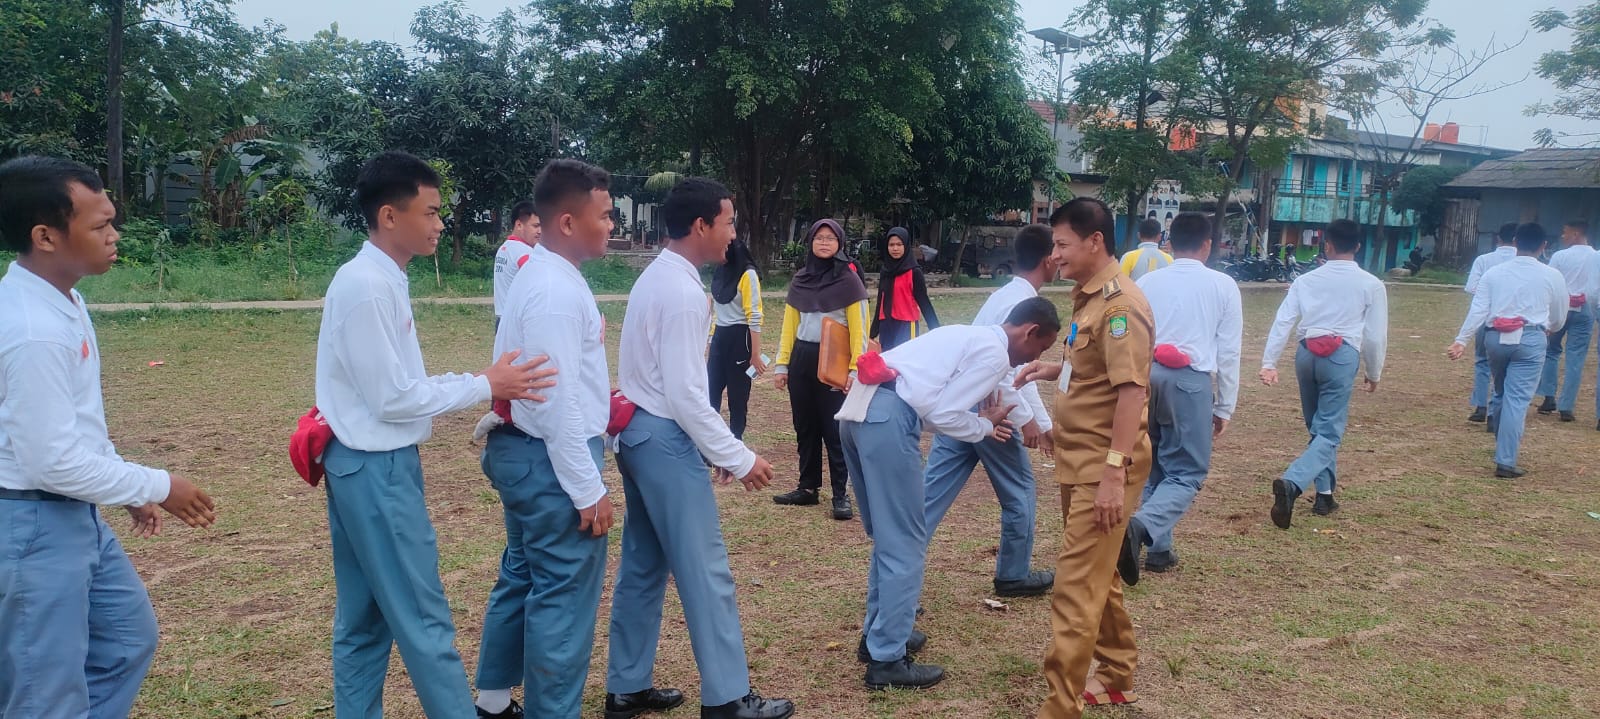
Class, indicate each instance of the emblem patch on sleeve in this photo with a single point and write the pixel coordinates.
(1119, 326)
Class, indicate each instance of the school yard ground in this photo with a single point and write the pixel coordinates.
(1436, 591)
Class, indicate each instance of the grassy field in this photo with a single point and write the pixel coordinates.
(1436, 592)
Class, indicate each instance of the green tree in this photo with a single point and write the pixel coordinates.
(1421, 191)
(1575, 71)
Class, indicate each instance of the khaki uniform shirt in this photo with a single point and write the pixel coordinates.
(1112, 347)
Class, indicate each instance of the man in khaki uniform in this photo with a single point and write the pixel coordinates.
(1102, 462)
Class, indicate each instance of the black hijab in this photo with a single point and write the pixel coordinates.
(826, 285)
(725, 281)
(890, 267)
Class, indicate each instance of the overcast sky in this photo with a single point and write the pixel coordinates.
(1494, 119)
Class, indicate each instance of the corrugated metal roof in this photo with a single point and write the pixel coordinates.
(1552, 168)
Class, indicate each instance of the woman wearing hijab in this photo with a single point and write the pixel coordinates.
(902, 293)
(736, 338)
(827, 286)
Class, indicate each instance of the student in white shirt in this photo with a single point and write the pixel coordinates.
(1338, 307)
(950, 461)
(538, 629)
(380, 403)
(526, 231)
(935, 379)
(1199, 321)
(672, 528)
(77, 632)
(1576, 263)
(1520, 302)
(1504, 251)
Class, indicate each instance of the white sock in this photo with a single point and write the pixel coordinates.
(1330, 494)
(494, 701)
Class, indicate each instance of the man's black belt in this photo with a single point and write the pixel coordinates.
(34, 495)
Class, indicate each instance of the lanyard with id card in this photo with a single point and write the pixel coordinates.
(1066, 361)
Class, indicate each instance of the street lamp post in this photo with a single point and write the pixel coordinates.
(1058, 43)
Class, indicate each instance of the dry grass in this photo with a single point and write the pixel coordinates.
(1435, 592)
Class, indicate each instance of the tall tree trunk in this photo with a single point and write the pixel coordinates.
(1219, 219)
(114, 105)
(961, 254)
(1132, 230)
(460, 233)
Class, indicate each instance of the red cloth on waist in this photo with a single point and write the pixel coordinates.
(1578, 300)
(1171, 357)
(621, 413)
(1325, 345)
(1508, 324)
(871, 369)
(310, 439)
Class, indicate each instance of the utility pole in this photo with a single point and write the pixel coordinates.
(1058, 43)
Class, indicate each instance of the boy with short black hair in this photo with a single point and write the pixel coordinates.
(526, 231)
(380, 404)
(938, 379)
(77, 632)
(1505, 249)
(1339, 308)
(538, 629)
(1576, 261)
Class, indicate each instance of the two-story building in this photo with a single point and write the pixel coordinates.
(1335, 176)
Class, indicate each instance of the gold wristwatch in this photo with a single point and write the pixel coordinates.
(1117, 459)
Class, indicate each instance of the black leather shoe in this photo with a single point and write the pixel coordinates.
(1548, 407)
(841, 508)
(1503, 472)
(1036, 584)
(797, 497)
(627, 706)
(1325, 505)
(915, 644)
(902, 673)
(1567, 417)
(1159, 562)
(752, 706)
(1283, 496)
(511, 712)
(1479, 414)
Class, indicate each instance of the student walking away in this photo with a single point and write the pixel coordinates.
(1102, 460)
(1337, 308)
(735, 357)
(1576, 263)
(1194, 383)
(951, 461)
(936, 381)
(1147, 257)
(902, 293)
(828, 287)
(514, 252)
(672, 528)
(538, 628)
(379, 404)
(77, 632)
(1503, 251)
(1520, 302)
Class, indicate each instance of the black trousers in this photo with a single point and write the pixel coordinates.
(813, 405)
(726, 365)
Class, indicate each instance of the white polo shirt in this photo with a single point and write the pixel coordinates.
(950, 370)
(995, 310)
(508, 260)
(1338, 298)
(661, 361)
(1577, 266)
(1199, 311)
(1523, 288)
(371, 385)
(52, 414)
(551, 311)
(1501, 254)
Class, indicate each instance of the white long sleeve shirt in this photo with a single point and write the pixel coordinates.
(1500, 255)
(995, 310)
(1199, 311)
(52, 415)
(947, 372)
(371, 385)
(550, 310)
(508, 261)
(1523, 287)
(1338, 298)
(661, 362)
(1577, 265)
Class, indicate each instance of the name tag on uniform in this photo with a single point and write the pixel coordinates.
(1511, 338)
(1066, 362)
